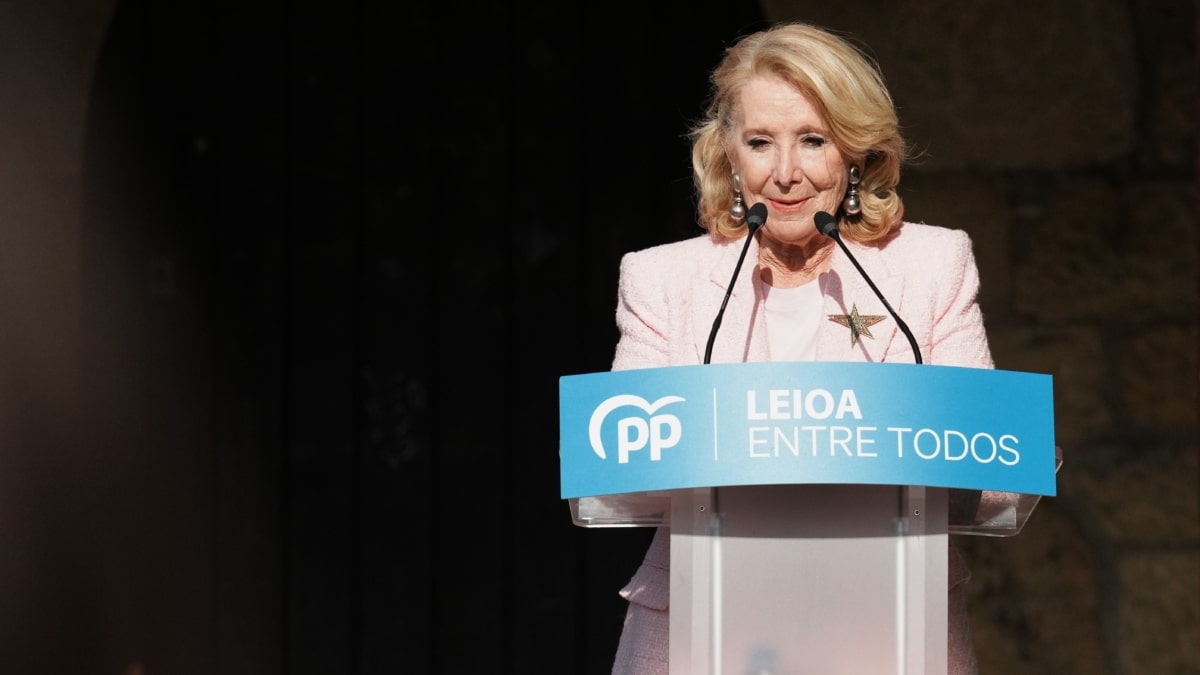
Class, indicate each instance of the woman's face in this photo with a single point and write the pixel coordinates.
(786, 158)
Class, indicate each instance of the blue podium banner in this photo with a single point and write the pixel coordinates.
(785, 423)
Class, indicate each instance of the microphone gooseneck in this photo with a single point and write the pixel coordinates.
(827, 225)
(755, 219)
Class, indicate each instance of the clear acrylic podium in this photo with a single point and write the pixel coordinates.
(797, 578)
(792, 579)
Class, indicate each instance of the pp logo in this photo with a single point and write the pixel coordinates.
(635, 433)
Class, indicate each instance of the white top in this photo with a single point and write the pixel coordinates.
(793, 319)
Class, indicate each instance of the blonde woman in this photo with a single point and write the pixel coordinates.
(801, 122)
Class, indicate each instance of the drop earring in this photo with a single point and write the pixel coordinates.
(738, 210)
(852, 205)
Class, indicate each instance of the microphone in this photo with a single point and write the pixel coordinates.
(827, 225)
(755, 219)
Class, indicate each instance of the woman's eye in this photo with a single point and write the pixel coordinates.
(813, 141)
(757, 143)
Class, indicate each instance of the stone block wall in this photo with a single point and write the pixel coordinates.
(1062, 136)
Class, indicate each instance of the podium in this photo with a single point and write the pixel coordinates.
(809, 504)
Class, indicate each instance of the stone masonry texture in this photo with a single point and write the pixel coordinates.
(1062, 136)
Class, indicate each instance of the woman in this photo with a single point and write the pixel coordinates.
(801, 122)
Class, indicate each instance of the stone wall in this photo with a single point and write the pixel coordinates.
(1062, 137)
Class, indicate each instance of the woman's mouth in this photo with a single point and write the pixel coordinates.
(790, 206)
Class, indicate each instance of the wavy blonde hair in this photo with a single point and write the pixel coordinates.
(847, 89)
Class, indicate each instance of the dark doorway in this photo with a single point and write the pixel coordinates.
(337, 257)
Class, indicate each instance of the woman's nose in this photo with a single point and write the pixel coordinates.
(785, 168)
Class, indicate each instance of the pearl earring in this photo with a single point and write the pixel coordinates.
(738, 210)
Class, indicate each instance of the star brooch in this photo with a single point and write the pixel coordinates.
(859, 324)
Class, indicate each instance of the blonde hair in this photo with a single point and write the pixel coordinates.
(847, 89)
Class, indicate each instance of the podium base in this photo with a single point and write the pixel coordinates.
(830, 579)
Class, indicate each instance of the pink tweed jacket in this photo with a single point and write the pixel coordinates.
(668, 297)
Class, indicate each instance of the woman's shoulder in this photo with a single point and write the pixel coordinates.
(917, 243)
(922, 234)
(920, 251)
(690, 246)
(692, 253)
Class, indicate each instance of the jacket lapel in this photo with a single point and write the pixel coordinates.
(742, 336)
(850, 300)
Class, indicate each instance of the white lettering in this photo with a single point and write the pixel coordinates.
(975, 445)
(833, 441)
(962, 444)
(796, 404)
(756, 441)
(839, 437)
(658, 442)
(864, 439)
(937, 444)
(848, 405)
(1011, 450)
(815, 397)
(900, 431)
(954, 446)
(752, 412)
(793, 445)
(627, 443)
(779, 404)
(814, 431)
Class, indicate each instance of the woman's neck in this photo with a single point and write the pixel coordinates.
(791, 265)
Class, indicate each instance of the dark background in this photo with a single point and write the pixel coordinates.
(285, 291)
(335, 259)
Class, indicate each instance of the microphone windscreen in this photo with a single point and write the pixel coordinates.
(757, 217)
(826, 224)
